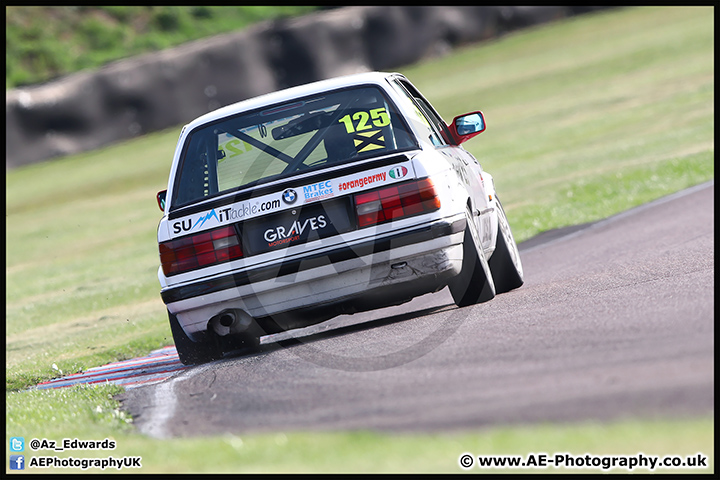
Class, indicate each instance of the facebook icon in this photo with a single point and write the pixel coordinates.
(17, 462)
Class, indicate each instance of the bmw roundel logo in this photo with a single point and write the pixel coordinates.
(289, 196)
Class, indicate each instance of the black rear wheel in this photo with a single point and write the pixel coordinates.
(191, 352)
(475, 283)
(505, 261)
(244, 343)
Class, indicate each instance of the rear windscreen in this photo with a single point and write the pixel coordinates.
(286, 139)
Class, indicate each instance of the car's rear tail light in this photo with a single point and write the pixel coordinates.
(201, 250)
(396, 202)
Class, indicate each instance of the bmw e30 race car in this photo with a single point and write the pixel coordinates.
(334, 197)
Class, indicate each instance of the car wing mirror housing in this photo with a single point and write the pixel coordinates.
(464, 127)
(161, 199)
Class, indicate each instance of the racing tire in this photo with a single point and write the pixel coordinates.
(474, 284)
(191, 352)
(505, 263)
(244, 343)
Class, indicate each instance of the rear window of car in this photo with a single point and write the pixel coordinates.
(287, 139)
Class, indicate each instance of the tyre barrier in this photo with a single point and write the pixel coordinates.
(160, 90)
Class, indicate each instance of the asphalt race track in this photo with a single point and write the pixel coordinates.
(615, 320)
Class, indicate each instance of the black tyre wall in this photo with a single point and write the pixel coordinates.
(166, 89)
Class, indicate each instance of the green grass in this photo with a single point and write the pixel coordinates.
(89, 413)
(584, 122)
(82, 260)
(587, 117)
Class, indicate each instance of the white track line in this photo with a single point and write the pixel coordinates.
(164, 404)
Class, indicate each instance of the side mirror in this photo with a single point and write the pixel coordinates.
(161, 199)
(464, 127)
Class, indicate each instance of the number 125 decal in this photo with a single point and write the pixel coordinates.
(362, 120)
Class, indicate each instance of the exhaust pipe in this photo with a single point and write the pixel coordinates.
(227, 319)
(230, 321)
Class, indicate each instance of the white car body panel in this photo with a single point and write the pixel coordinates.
(423, 248)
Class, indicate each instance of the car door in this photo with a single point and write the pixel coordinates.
(464, 164)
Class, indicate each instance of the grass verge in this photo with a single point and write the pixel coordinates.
(587, 117)
(90, 413)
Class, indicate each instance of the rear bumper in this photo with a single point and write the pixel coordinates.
(416, 255)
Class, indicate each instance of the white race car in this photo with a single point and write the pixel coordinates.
(329, 198)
